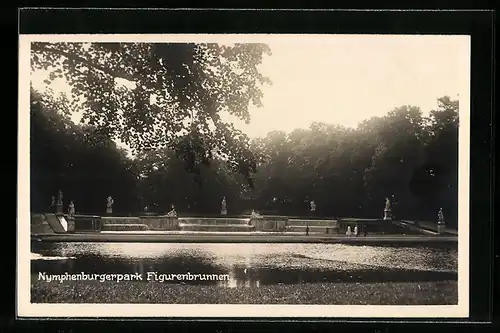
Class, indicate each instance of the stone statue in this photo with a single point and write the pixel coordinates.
(223, 207)
(440, 216)
(59, 198)
(59, 202)
(71, 209)
(387, 210)
(313, 206)
(52, 207)
(109, 205)
(110, 202)
(172, 212)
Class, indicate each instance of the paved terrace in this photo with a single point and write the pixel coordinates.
(238, 237)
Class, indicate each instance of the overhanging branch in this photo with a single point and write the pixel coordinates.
(37, 47)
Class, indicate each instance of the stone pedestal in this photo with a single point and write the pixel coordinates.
(59, 208)
(387, 214)
(71, 224)
(223, 212)
(441, 228)
(109, 210)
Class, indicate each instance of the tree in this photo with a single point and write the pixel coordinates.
(399, 152)
(174, 95)
(76, 159)
(440, 172)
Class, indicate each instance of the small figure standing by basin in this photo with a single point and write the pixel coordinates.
(348, 232)
(109, 205)
(307, 229)
(356, 230)
(223, 210)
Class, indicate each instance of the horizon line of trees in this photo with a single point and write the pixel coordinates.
(405, 156)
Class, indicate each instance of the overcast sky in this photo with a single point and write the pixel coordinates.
(346, 79)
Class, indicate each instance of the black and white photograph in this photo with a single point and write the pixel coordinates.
(233, 175)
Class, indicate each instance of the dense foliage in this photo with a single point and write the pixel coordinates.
(157, 95)
(78, 159)
(348, 172)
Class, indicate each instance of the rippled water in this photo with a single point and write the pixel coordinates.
(252, 264)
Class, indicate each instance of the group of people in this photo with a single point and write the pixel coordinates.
(355, 233)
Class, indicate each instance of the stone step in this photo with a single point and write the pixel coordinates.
(312, 229)
(124, 227)
(320, 223)
(220, 227)
(212, 221)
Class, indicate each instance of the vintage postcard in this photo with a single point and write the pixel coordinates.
(243, 176)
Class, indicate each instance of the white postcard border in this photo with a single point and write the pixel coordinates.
(26, 309)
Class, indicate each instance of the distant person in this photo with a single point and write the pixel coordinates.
(364, 230)
(348, 232)
(307, 229)
(356, 231)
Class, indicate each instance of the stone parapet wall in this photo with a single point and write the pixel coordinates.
(269, 223)
(120, 219)
(88, 223)
(160, 222)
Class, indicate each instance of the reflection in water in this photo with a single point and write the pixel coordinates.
(252, 265)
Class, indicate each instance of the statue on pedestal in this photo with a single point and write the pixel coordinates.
(109, 205)
(223, 210)
(59, 197)
(71, 209)
(59, 203)
(387, 210)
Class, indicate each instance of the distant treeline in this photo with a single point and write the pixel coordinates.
(405, 156)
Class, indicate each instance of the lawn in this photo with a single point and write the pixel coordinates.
(387, 293)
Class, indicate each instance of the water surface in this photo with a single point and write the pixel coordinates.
(252, 265)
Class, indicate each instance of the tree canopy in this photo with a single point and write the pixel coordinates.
(163, 95)
(404, 155)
